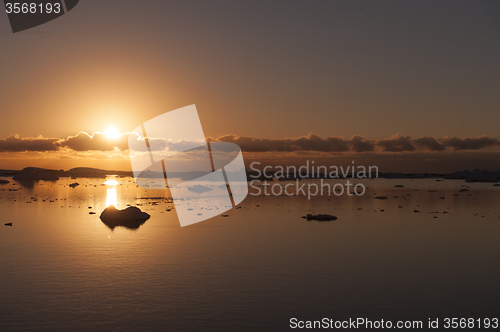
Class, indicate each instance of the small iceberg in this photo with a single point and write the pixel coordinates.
(199, 189)
(320, 217)
(131, 217)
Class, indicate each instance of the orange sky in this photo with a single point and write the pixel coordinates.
(256, 70)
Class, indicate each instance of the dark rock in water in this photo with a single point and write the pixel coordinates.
(131, 217)
(8, 224)
(4, 182)
(320, 217)
(73, 185)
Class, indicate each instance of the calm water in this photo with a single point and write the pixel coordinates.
(62, 269)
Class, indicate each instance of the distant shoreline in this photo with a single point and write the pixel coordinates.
(34, 173)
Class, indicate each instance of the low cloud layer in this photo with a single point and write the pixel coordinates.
(398, 143)
(428, 144)
(16, 144)
(95, 142)
(310, 142)
(359, 144)
(456, 143)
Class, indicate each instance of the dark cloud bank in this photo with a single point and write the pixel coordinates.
(313, 143)
(397, 143)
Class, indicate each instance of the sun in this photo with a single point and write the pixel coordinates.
(112, 132)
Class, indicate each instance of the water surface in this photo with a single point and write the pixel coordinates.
(63, 269)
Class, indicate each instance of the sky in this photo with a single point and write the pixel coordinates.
(395, 71)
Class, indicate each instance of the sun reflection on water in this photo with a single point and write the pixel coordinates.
(111, 192)
(111, 197)
(111, 182)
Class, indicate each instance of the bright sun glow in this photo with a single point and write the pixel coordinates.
(111, 182)
(112, 132)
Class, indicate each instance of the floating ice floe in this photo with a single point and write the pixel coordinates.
(319, 217)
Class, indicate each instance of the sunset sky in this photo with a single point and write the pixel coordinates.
(413, 86)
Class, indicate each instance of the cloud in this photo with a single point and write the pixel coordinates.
(360, 144)
(429, 144)
(313, 142)
(310, 142)
(397, 143)
(16, 144)
(253, 144)
(95, 142)
(477, 143)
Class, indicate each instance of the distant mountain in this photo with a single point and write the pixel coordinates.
(88, 172)
(34, 173)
